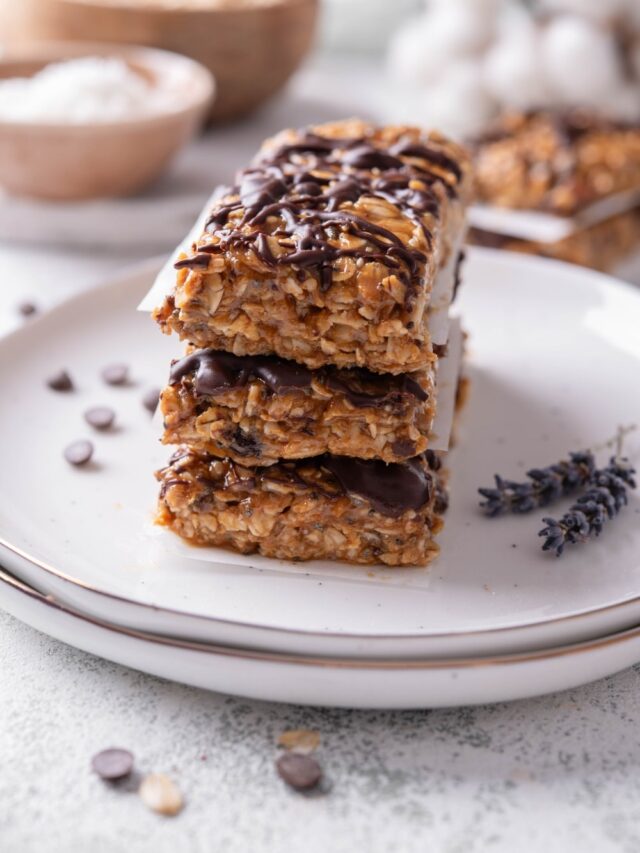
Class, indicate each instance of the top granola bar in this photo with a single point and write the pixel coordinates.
(327, 249)
(554, 161)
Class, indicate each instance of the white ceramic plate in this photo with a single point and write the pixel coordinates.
(554, 360)
(338, 682)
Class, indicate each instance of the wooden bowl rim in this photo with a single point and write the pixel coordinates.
(197, 99)
(237, 11)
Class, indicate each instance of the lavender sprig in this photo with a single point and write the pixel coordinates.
(546, 485)
(603, 500)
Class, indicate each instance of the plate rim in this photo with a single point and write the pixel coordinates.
(149, 267)
(323, 661)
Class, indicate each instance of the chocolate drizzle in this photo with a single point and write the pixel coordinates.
(432, 155)
(215, 372)
(304, 185)
(390, 489)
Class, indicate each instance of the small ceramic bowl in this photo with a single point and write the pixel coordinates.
(252, 49)
(60, 161)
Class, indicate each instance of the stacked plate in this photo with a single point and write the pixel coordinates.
(554, 357)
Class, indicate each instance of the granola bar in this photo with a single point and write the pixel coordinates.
(327, 250)
(558, 162)
(258, 409)
(323, 508)
(601, 246)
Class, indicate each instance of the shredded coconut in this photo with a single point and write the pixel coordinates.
(86, 90)
(198, 4)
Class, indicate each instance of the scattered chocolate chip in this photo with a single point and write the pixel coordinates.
(100, 417)
(150, 399)
(115, 374)
(27, 309)
(160, 794)
(301, 772)
(79, 453)
(60, 381)
(112, 764)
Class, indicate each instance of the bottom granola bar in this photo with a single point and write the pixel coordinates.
(328, 507)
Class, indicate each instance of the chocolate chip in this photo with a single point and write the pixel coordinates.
(100, 417)
(301, 772)
(79, 453)
(60, 381)
(115, 374)
(150, 399)
(27, 309)
(112, 764)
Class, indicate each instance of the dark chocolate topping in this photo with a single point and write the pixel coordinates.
(427, 152)
(215, 372)
(369, 157)
(390, 489)
(457, 275)
(197, 261)
(305, 193)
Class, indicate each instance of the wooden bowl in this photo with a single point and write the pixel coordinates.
(91, 160)
(251, 50)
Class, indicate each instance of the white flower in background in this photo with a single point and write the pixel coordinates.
(512, 70)
(462, 61)
(412, 58)
(448, 31)
(458, 103)
(465, 26)
(581, 62)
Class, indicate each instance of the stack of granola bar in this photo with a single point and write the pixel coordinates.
(321, 370)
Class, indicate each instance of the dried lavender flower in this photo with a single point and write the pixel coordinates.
(545, 485)
(603, 500)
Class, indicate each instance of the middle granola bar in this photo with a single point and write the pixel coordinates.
(259, 409)
(327, 249)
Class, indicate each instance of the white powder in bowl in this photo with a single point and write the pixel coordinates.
(87, 90)
(213, 5)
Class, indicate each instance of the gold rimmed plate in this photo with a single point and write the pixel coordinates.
(337, 682)
(553, 358)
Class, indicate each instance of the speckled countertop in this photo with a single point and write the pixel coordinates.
(557, 773)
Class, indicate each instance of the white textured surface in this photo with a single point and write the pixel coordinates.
(552, 774)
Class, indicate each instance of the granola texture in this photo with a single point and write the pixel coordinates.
(326, 250)
(557, 162)
(259, 409)
(600, 247)
(305, 510)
